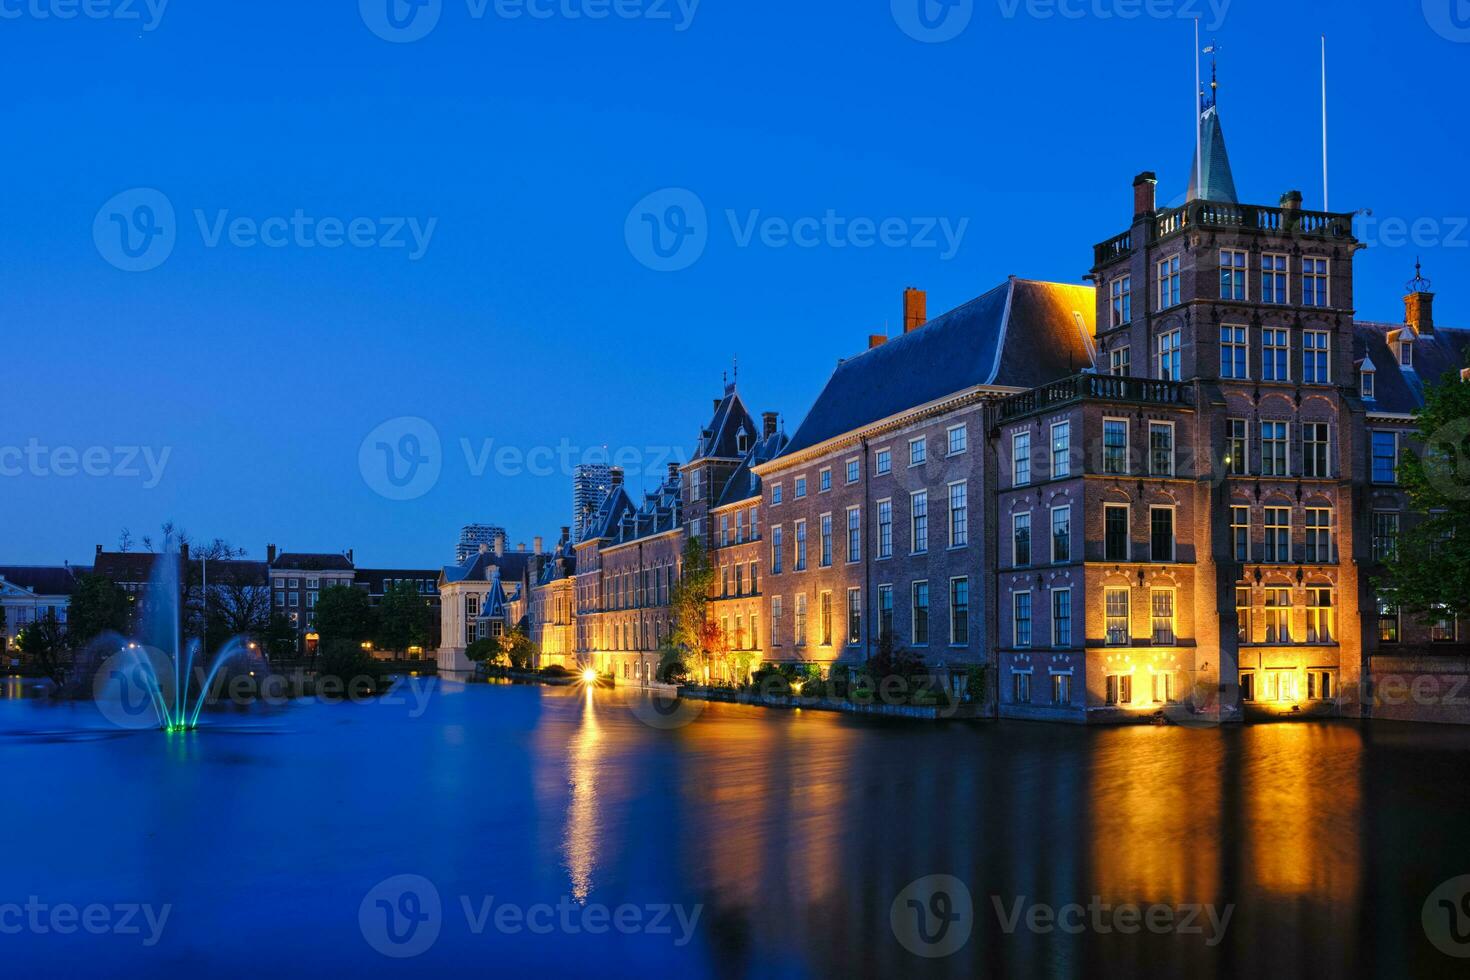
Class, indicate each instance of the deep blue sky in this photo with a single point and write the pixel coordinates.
(528, 320)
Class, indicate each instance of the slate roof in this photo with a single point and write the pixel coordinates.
(605, 520)
(306, 562)
(1219, 182)
(1398, 389)
(43, 579)
(744, 483)
(514, 566)
(1021, 334)
(124, 566)
(563, 563)
(721, 438)
(662, 510)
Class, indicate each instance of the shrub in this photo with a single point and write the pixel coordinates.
(976, 679)
(483, 651)
(839, 680)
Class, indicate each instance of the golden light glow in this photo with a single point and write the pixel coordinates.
(589, 675)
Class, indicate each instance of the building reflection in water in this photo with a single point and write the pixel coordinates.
(580, 841)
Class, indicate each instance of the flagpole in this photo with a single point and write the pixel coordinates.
(1325, 205)
(1198, 140)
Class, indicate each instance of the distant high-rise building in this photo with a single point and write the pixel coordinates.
(471, 536)
(591, 483)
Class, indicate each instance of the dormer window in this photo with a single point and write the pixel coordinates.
(742, 441)
(1406, 352)
(1366, 378)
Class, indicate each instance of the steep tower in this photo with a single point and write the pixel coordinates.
(723, 445)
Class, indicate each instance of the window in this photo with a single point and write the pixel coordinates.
(1278, 615)
(824, 480)
(724, 530)
(1162, 603)
(1161, 533)
(1275, 354)
(918, 451)
(1320, 685)
(1406, 352)
(1319, 535)
(854, 617)
(885, 529)
(1278, 534)
(776, 534)
(1118, 361)
(883, 462)
(1233, 353)
(1320, 625)
(1273, 279)
(1243, 615)
(1314, 449)
(1240, 532)
(959, 515)
(1232, 274)
(1115, 532)
(1169, 356)
(740, 527)
(1441, 627)
(959, 611)
(853, 468)
(1021, 540)
(1169, 282)
(775, 492)
(1385, 457)
(800, 487)
(800, 619)
(885, 610)
(1061, 535)
(1061, 449)
(1314, 282)
(959, 439)
(1161, 449)
(1115, 446)
(854, 535)
(1021, 458)
(1061, 617)
(1163, 683)
(1236, 457)
(1061, 688)
(1022, 606)
(1115, 608)
(1366, 384)
(1385, 535)
(824, 611)
(1120, 689)
(1021, 686)
(919, 521)
(920, 604)
(1247, 685)
(1316, 364)
(1273, 449)
(1388, 623)
(826, 540)
(799, 565)
(1120, 291)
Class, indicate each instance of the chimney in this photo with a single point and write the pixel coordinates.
(1419, 311)
(99, 549)
(499, 545)
(349, 556)
(876, 340)
(673, 471)
(768, 424)
(1144, 187)
(536, 544)
(1292, 201)
(915, 309)
(615, 475)
(270, 554)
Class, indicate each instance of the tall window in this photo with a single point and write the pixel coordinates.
(800, 618)
(1161, 533)
(824, 612)
(1236, 457)
(854, 534)
(1385, 535)
(883, 462)
(1240, 532)
(959, 515)
(919, 520)
(1388, 623)
(800, 487)
(1314, 282)
(1115, 608)
(824, 480)
(1278, 534)
(1160, 449)
(1169, 282)
(1061, 449)
(1115, 446)
(1319, 534)
(1061, 617)
(1021, 458)
(959, 611)
(1233, 351)
(1320, 625)
(1120, 689)
(799, 564)
(1115, 532)
(1121, 293)
(1021, 687)
(1232, 274)
(918, 451)
(1275, 354)
(1385, 457)
(1170, 352)
(921, 613)
(1442, 626)
(1061, 688)
(1365, 382)
(1022, 606)
(826, 540)
(959, 439)
(1061, 534)
(1021, 540)
(885, 611)
(776, 535)
(1162, 602)
(1278, 615)
(854, 616)
(1316, 364)
(1273, 449)
(1243, 615)
(1118, 361)
(853, 470)
(775, 621)
(1273, 279)
(885, 529)
(1314, 449)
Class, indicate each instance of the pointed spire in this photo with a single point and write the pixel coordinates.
(1210, 177)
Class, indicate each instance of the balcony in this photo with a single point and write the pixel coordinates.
(1094, 387)
(1272, 221)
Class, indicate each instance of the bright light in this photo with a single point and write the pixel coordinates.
(589, 675)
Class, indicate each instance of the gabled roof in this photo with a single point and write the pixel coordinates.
(1021, 334)
(1398, 389)
(721, 438)
(605, 520)
(42, 580)
(513, 566)
(308, 562)
(744, 483)
(1218, 183)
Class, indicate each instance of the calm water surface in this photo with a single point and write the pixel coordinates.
(790, 834)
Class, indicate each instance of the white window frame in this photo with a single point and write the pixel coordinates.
(1052, 533)
(853, 470)
(1127, 445)
(1175, 352)
(1058, 641)
(1245, 273)
(1016, 620)
(1120, 300)
(1284, 273)
(1170, 269)
(1244, 345)
(1268, 349)
(1065, 470)
(921, 443)
(879, 455)
(958, 540)
(1173, 536)
(1016, 457)
(964, 432)
(1173, 446)
(914, 497)
(1030, 538)
(1120, 361)
(1310, 352)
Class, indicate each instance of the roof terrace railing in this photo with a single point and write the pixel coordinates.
(1277, 221)
(1094, 387)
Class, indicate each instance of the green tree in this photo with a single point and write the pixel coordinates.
(518, 649)
(692, 633)
(404, 618)
(1430, 570)
(97, 605)
(350, 666)
(280, 639)
(344, 613)
(484, 651)
(45, 646)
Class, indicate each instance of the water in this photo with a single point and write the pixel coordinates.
(792, 832)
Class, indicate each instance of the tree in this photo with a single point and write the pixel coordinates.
(518, 649)
(1429, 573)
(404, 618)
(350, 666)
(484, 651)
(693, 631)
(98, 605)
(344, 613)
(44, 643)
(280, 638)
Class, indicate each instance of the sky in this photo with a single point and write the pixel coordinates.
(332, 275)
